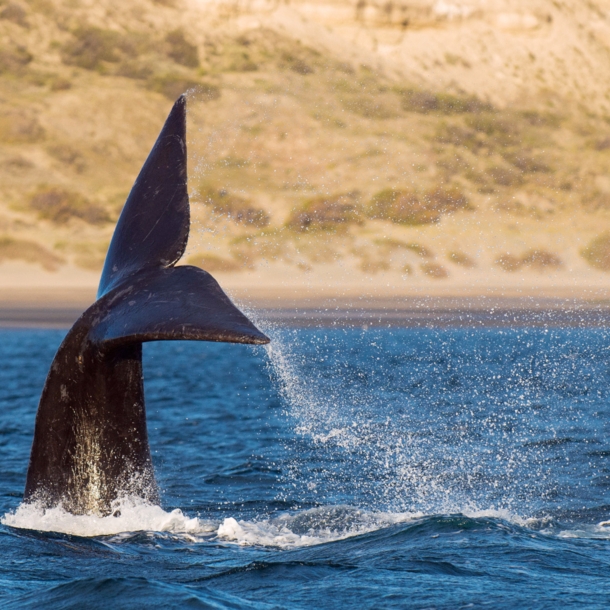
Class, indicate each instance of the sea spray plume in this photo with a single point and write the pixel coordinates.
(399, 422)
(90, 442)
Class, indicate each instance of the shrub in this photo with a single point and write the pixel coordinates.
(434, 270)
(504, 176)
(462, 259)
(296, 64)
(16, 13)
(68, 155)
(538, 260)
(14, 60)
(19, 127)
(597, 253)
(327, 213)
(408, 207)
(414, 100)
(236, 208)
(28, 251)
(92, 45)
(60, 205)
(459, 136)
(501, 131)
(527, 163)
(368, 106)
(181, 50)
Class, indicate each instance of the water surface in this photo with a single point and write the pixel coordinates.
(335, 468)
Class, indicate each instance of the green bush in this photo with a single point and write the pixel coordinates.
(60, 205)
(327, 213)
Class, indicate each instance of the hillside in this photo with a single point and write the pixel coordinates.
(335, 148)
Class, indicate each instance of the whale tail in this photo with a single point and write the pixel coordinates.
(90, 441)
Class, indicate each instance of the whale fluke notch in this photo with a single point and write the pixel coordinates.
(90, 440)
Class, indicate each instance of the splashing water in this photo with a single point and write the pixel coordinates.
(427, 422)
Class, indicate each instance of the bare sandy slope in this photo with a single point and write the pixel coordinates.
(506, 102)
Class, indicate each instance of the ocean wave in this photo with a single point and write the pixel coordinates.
(284, 531)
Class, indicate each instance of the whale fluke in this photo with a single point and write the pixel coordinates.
(154, 226)
(90, 440)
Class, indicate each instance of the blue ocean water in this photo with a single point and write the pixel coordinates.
(335, 468)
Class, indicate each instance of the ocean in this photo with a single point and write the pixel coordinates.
(362, 467)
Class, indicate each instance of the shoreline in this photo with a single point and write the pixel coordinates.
(59, 309)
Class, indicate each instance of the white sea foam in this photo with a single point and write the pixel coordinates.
(132, 515)
(285, 531)
(306, 528)
(310, 527)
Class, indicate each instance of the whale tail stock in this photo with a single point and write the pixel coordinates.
(90, 440)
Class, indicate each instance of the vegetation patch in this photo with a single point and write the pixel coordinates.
(91, 47)
(19, 127)
(461, 258)
(236, 208)
(59, 205)
(181, 50)
(597, 253)
(68, 155)
(434, 270)
(539, 260)
(16, 13)
(425, 102)
(411, 208)
(28, 251)
(327, 213)
(14, 60)
(504, 176)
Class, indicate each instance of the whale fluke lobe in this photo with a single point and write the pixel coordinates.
(154, 226)
(90, 440)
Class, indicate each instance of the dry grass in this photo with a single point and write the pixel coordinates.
(29, 252)
(181, 50)
(19, 126)
(461, 258)
(538, 260)
(597, 253)
(434, 270)
(327, 213)
(411, 208)
(60, 205)
(235, 208)
(425, 102)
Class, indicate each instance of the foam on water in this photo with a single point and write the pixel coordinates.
(132, 515)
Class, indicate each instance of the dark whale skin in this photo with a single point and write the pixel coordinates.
(90, 443)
